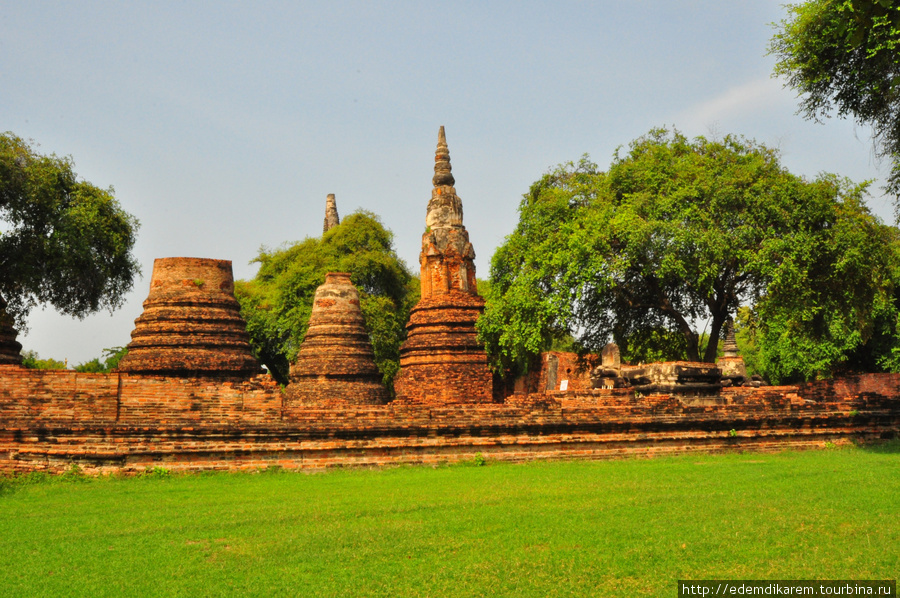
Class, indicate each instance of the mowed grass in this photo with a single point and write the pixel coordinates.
(613, 528)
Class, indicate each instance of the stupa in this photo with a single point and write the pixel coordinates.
(10, 348)
(331, 214)
(734, 371)
(335, 362)
(442, 360)
(191, 324)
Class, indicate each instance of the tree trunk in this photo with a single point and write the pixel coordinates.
(712, 347)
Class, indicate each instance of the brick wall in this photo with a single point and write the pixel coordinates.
(68, 396)
(49, 420)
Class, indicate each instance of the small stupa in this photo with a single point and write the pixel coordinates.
(442, 360)
(191, 324)
(331, 214)
(734, 371)
(335, 362)
(10, 348)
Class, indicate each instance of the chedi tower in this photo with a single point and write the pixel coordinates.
(442, 360)
(191, 324)
(10, 348)
(335, 362)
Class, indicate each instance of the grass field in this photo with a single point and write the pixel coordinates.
(613, 528)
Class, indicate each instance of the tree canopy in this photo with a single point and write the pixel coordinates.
(659, 251)
(63, 241)
(277, 303)
(844, 55)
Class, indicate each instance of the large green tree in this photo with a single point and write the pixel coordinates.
(277, 303)
(844, 56)
(659, 251)
(63, 241)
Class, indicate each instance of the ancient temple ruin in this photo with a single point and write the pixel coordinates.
(186, 396)
(734, 371)
(331, 214)
(442, 360)
(10, 348)
(335, 362)
(191, 324)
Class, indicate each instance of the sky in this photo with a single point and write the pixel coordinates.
(223, 125)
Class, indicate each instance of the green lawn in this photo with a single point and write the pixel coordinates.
(611, 528)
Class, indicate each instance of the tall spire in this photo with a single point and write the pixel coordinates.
(442, 175)
(442, 360)
(729, 346)
(331, 214)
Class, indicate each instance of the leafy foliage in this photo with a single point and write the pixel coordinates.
(111, 358)
(277, 303)
(844, 55)
(31, 360)
(64, 242)
(679, 234)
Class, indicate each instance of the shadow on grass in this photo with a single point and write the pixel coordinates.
(891, 446)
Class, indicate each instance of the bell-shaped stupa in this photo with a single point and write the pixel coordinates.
(335, 362)
(191, 325)
(10, 348)
(442, 360)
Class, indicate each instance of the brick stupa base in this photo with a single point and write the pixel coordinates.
(191, 325)
(442, 361)
(335, 364)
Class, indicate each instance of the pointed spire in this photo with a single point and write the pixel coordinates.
(729, 346)
(442, 175)
(331, 214)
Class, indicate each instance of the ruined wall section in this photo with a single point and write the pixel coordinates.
(600, 423)
(57, 396)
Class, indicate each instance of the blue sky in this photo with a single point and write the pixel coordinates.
(223, 125)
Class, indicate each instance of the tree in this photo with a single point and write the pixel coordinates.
(277, 302)
(111, 358)
(844, 55)
(658, 252)
(31, 360)
(64, 241)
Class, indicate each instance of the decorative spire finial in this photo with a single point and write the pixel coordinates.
(442, 175)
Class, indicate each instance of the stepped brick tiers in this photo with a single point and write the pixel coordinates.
(442, 361)
(10, 348)
(331, 214)
(191, 325)
(335, 362)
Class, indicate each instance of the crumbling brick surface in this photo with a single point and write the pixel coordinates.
(335, 363)
(441, 360)
(119, 422)
(10, 348)
(191, 324)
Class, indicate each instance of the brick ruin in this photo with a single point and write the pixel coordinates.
(10, 348)
(191, 324)
(190, 395)
(441, 360)
(335, 362)
(331, 214)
